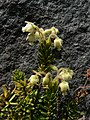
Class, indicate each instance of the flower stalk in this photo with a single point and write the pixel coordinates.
(45, 94)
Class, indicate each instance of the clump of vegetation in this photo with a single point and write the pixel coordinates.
(43, 96)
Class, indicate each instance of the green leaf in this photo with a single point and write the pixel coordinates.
(53, 67)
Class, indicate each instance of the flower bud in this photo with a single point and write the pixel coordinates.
(58, 43)
(46, 79)
(30, 27)
(34, 79)
(55, 82)
(64, 87)
(65, 73)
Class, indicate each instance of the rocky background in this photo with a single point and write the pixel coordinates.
(71, 17)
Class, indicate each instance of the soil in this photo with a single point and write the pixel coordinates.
(71, 17)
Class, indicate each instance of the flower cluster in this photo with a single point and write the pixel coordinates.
(36, 33)
(50, 36)
(63, 74)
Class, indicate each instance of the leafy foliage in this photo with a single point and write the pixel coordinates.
(18, 75)
(36, 102)
(45, 56)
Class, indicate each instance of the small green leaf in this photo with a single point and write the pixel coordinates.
(53, 67)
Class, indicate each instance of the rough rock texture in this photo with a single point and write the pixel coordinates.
(71, 17)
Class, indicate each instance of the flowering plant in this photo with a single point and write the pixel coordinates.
(43, 96)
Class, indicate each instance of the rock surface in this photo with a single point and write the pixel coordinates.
(71, 17)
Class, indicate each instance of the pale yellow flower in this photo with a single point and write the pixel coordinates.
(65, 73)
(30, 27)
(49, 32)
(34, 79)
(58, 43)
(64, 87)
(31, 38)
